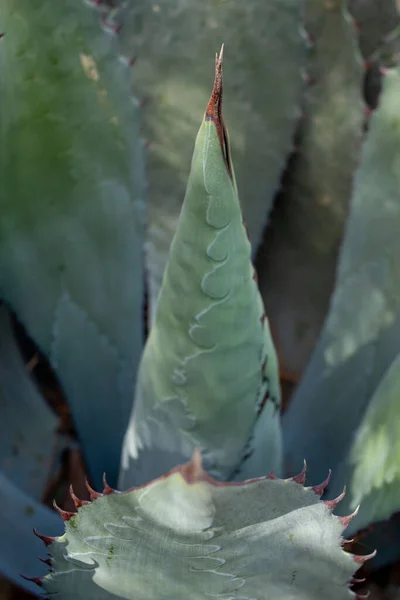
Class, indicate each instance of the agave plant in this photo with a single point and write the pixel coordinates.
(205, 516)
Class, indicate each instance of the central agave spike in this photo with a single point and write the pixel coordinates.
(208, 376)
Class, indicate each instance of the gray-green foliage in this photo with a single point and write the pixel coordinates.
(71, 202)
(361, 336)
(266, 51)
(208, 376)
(187, 536)
(299, 258)
(28, 445)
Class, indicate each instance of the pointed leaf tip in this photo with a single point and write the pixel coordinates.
(214, 111)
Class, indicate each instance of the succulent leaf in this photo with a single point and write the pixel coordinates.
(267, 52)
(27, 443)
(296, 266)
(208, 376)
(361, 336)
(186, 535)
(71, 201)
(374, 458)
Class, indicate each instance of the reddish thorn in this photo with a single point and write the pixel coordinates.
(92, 493)
(77, 501)
(356, 25)
(272, 476)
(344, 541)
(346, 520)
(255, 276)
(46, 561)
(46, 539)
(360, 560)
(354, 580)
(319, 489)
(301, 477)
(331, 504)
(107, 489)
(64, 514)
(367, 65)
(36, 580)
(263, 319)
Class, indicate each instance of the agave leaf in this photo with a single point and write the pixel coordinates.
(187, 536)
(267, 53)
(71, 200)
(27, 447)
(208, 376)
(19, 549)
(375, 18)
(361, 335)
(296, 266)
(374, 456)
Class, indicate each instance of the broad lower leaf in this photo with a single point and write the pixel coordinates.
(208, 376)
(187, 536)
(71, 201)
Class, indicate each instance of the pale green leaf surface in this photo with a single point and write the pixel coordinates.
(71, 200)
(209, 365)
(186, 536)
(361, 336)
(297, 263)
(173, 44)
(373, 469)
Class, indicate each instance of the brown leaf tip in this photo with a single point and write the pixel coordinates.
(214, 108)
(214, 111)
